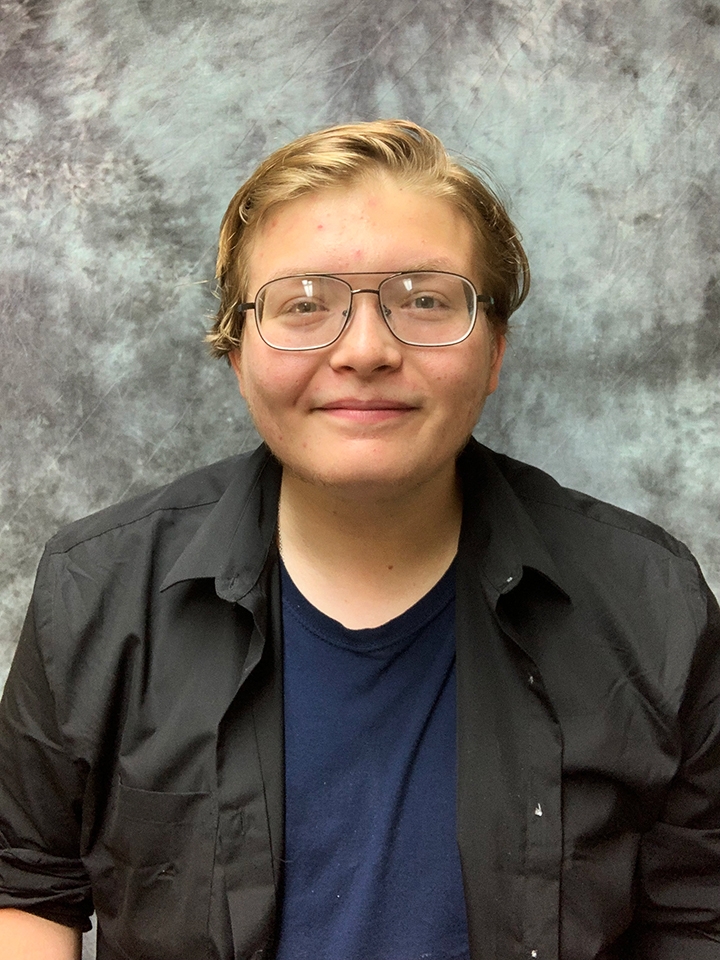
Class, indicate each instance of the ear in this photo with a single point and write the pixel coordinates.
(236, 363)
(498, 352)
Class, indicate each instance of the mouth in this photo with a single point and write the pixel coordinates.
(351, 403)
(367, 411)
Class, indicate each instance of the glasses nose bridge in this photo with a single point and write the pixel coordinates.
(376, 291)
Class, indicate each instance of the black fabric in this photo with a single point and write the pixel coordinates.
(141, 725)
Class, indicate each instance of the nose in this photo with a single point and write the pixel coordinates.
(366, 344)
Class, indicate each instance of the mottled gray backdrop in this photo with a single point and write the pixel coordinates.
(127, 126)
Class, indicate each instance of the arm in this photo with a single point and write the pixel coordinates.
(679, 870)
(41, 791)
(27, 937)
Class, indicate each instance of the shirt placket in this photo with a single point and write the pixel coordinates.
(249, 771)
(509, 789)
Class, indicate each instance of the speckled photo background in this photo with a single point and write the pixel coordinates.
(126, 127)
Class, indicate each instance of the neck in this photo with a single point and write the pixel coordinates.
(365, 561)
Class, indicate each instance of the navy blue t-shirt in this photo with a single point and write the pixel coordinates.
(372, 870)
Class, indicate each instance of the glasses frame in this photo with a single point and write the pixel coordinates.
(477, 299)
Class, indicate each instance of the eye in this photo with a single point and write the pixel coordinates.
(299, 313)
(299, 308)
(425, 301)
(431, 303)
(304, 306)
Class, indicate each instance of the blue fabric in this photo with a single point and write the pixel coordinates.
(372, 870)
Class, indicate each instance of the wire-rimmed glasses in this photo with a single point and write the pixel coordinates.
(422, 308)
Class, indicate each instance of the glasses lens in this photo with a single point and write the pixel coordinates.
(429, 309)
(299, 313)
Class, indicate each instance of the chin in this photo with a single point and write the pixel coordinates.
(362, 480)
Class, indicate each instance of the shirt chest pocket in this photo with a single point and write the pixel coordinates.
(153, 890)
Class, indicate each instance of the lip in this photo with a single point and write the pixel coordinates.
(378, 403)
(375, 410)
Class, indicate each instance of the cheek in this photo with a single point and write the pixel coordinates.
(466, 389)
(273, 380)
(465, 380)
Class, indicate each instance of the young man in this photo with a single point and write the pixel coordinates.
(372, 692)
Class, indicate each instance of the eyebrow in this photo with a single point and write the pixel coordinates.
(439, 264)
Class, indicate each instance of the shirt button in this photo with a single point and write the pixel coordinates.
(531, 679)
(533, 953)
(538, 811)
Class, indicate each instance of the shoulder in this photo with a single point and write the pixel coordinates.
(185, 500)
(98, 598)
(638, 602)
(604, 557)
(560, 512)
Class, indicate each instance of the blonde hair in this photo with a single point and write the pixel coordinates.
(344, 155)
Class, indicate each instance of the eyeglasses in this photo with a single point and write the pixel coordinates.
(421, 308)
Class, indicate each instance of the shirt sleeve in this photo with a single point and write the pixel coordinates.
(679, 868)
(41, 790)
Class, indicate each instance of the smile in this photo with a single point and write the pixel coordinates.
(366, 411)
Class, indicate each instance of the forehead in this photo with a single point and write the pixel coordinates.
(374, 226)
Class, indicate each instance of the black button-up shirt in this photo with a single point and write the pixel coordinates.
(141, 729)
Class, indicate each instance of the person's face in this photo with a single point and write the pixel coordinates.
(367, 413)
